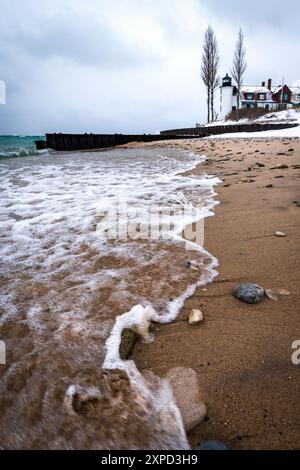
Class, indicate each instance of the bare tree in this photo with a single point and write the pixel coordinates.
(239, 66)
(215, 80)
(206, 69)
(209, 69)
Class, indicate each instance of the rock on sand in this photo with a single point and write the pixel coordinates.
(250, 293)
(196, 316)
(280, 234)
(128, 341)
(184, 382)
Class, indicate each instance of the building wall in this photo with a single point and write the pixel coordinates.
(296, 98)
(286, 91)
(227, 101)
(258, 104)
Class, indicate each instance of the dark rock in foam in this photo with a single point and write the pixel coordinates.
(128, 340)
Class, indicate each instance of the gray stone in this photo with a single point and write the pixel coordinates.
(184, 382)
(250, 293)
(280, 166)
(212, 445)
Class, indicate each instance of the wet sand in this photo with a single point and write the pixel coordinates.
(241, 352)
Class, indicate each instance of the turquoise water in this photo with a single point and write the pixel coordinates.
(18, 146)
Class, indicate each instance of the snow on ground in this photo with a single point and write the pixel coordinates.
(280, 117)
(292, 132)
(227, 123)
(289, 115)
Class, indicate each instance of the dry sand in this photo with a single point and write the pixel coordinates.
(242, 353)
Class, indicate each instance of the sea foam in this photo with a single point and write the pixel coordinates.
(66, 284)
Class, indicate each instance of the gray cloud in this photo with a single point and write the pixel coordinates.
(82, 39)
(256, 15)
(134, 66)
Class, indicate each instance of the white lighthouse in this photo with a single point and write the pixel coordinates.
(228, 97)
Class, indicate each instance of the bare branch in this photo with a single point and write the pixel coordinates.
(239, 64)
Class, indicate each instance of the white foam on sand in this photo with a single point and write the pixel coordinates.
(139, 317)
(56, 254)
(49, 209)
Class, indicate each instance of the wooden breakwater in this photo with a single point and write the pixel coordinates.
(203, 131)
(66, 142)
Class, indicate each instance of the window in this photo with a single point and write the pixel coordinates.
(262, 96)
(249, 96)
(285, 97)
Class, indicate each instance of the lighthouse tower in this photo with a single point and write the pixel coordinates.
(228, 98)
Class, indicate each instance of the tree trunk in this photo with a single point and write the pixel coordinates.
(208, 105)
(238, 102)
(212, 105)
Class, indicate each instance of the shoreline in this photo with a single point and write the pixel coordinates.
(242, 353)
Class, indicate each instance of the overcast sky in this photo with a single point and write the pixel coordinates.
(131, 65)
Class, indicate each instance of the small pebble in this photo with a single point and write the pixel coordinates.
(280, 234)
(196, 316)
(211, 445)
(283, 292)
(280, 166)
(270, 294)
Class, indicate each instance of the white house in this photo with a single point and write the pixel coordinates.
(263, 96)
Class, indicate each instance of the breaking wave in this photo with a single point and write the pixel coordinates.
(18, 146)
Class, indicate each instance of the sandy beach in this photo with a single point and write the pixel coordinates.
(241, 352)
(65, 294)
